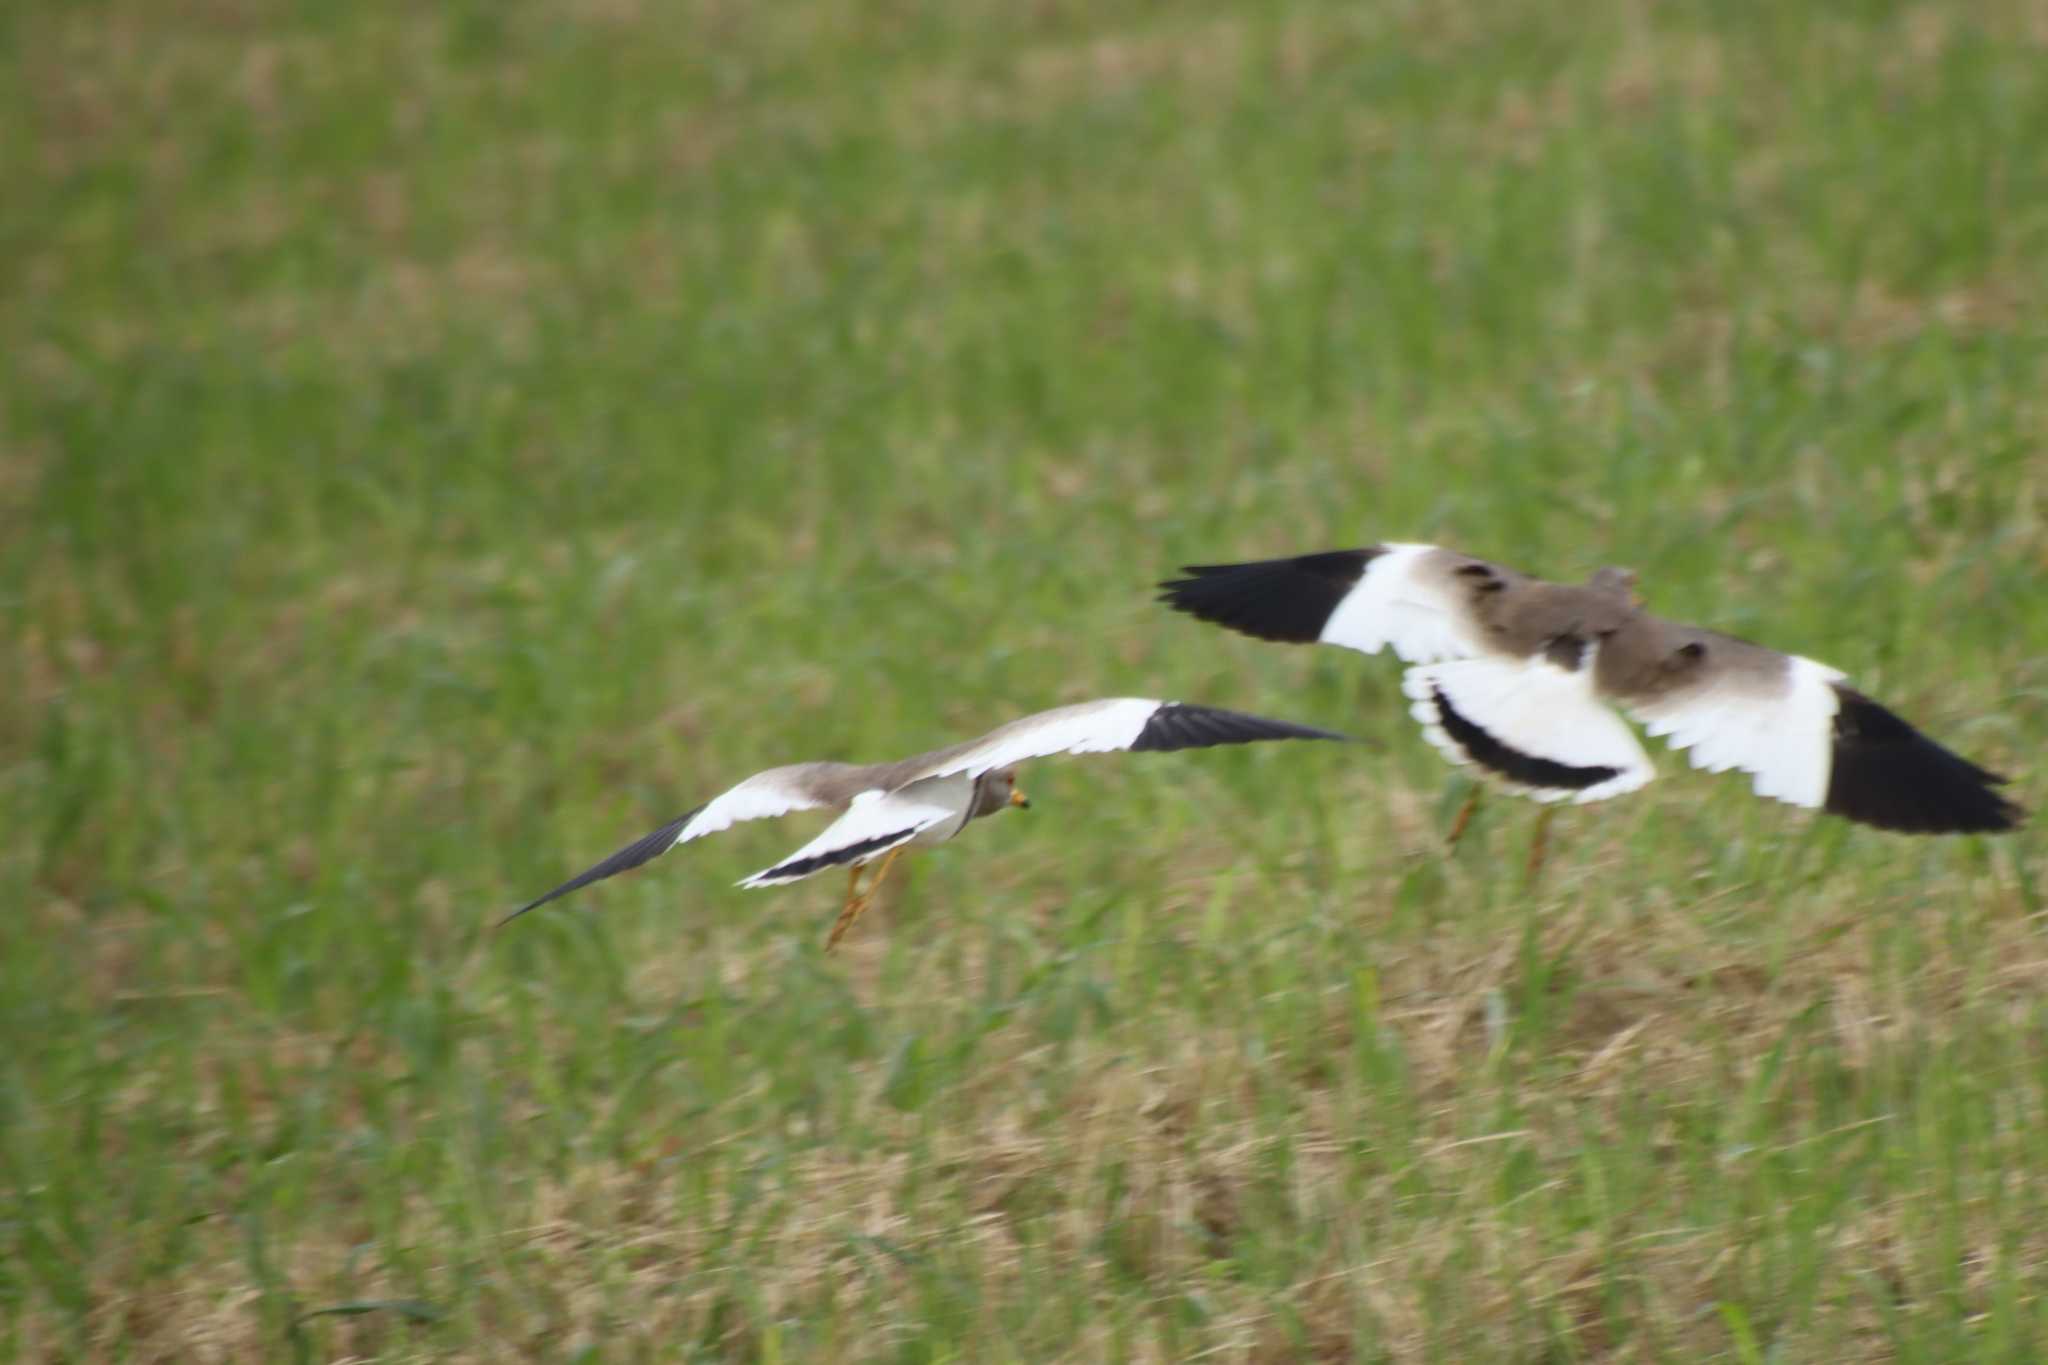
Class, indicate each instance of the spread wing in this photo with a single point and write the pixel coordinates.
(1807, 738)
(1404, 597)
(778, 791)
(1130, 724)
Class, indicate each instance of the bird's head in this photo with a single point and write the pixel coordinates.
(997, 791)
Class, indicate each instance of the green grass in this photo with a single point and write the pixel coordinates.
(439, 442)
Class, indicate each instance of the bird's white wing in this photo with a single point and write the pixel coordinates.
(1133, 724)
(1406, 603)
(1538, 727)
(1400, 596)
(873, 824)
(1779, 730)
(778, 791)
(1807, 738)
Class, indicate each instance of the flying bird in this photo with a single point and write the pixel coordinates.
(928, 798)
(1521, 678)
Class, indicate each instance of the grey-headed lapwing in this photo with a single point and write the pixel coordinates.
(929, 798)
(1517, 677)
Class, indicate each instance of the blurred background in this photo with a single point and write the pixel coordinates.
(440, 443)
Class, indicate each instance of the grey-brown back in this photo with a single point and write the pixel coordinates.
(1522, 616)
(1650, 657)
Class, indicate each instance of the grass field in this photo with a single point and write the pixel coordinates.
(438, 443)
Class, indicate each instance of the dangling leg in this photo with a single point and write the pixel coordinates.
(1539, 845)
(1464, 816)
(856, 905)
(851, 909)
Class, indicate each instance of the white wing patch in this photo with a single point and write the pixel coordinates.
(1394, 605)
(1089, 727)
(1783, 738)
(1545, 722)
(763, 796)
(873, 824)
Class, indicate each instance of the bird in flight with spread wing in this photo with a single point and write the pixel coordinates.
(1521, 678)
(930, 797)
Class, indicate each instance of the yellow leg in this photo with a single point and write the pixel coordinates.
(1539, 845)
(857, 902)
(1464, 817)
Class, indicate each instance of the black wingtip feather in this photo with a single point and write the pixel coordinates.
(1178, 725)
(644, 849)
(1490, 753)
(1886, 773)
(1286, 600)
